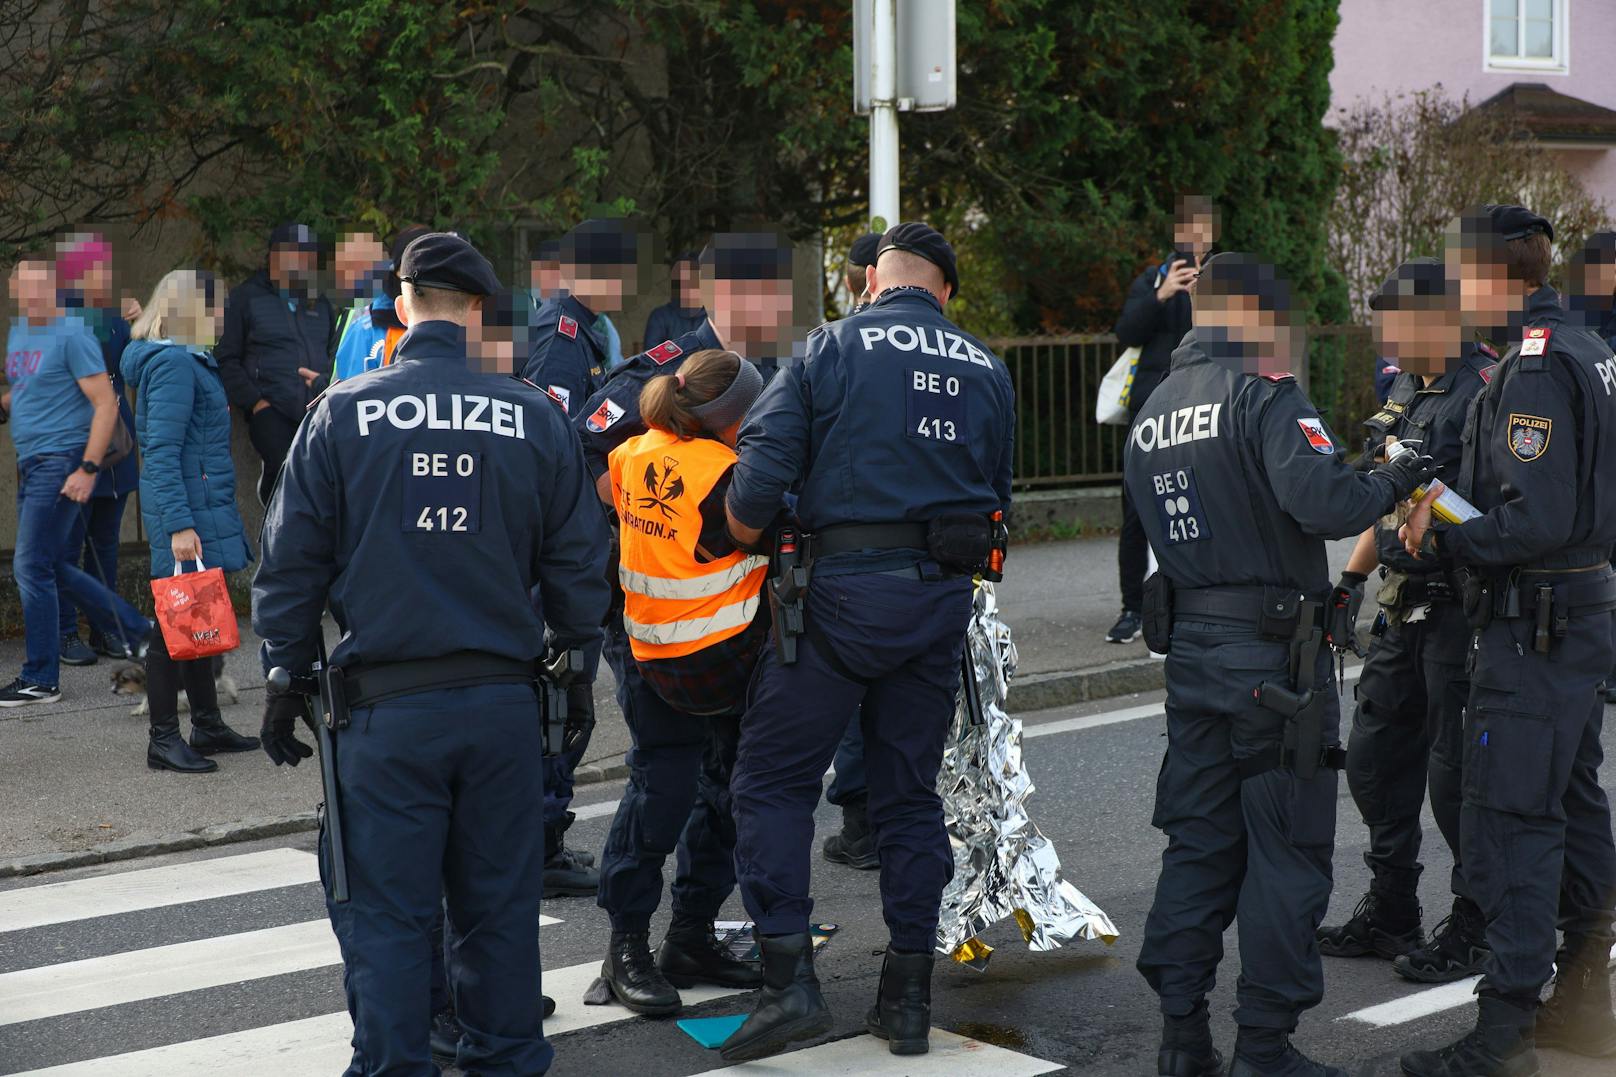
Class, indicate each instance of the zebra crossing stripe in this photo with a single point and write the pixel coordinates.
(1400, 1011)
(149, 888)
(866, 1056)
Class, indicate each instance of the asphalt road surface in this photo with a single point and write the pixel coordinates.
(221, 962)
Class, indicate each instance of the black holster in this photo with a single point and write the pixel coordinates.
(1301, 704)
(1156, 612)
(787, 587)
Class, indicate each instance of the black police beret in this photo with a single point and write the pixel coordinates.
(747, 256)
(292, 234)
(1417, 278)
(445, 260)
(546, 250)
(864, 249)
(600, 242)
(1517, 222)
(920, 238)
(1233, 273)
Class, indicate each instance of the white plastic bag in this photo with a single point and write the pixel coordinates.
(1111, 406)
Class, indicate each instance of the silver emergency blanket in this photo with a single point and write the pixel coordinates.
(1003, 865)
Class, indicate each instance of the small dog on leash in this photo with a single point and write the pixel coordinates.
(131, 681)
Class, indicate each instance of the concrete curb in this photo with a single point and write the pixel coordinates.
(1034, 692)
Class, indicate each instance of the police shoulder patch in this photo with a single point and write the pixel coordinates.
(1529, 436)
(1318, 438)
(567, 327)
(664, 353)
(561, 395)
(1536, 341)
(1278, 378)
(604, 416)
(1487, 373)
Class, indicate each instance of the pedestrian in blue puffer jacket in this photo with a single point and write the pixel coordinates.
(187, 496)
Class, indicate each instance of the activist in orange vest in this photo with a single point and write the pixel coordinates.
(692, 608)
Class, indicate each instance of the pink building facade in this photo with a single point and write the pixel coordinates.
(1478, 49)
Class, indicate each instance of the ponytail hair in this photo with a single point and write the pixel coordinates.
(709, 393)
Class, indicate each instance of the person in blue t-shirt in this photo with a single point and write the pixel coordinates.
(62, 410)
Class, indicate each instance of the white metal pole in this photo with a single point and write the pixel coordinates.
(884, 117)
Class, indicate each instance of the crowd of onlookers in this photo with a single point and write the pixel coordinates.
(106, 395)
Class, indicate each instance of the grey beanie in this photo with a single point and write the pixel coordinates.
(730, 406)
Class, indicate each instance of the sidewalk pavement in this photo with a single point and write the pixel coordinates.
(73, 778)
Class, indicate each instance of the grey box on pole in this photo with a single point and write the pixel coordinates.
(926, 70)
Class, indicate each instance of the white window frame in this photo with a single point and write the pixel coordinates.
(1558, 64)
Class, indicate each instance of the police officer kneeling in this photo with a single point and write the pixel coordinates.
(898, 428)
(445, 516)
(1239, 483)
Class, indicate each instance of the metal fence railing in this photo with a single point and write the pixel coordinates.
(1058, 443)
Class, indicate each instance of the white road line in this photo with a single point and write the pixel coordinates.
(137, 975)
(866, 1056)
(1400, 1011)
(150, 888)
(319, 1046)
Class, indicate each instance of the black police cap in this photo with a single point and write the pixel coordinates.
(920, 238)
(445, 260)
(1417, 278)
(864, 249)
(600, 242)
(546, 250)
(747, 256)
(1235, 273)
(1517, 222)
(292, 234)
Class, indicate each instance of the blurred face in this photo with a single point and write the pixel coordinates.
(293, 268)
(601, 288)
(1421, 341)
(96, 283)
(1195, 235)
(33, 288)
(356, 261)
(491, 347)
(753, 317)
(213, 323)
(545, 278)
(1598, 280)
(1487, 298)
(686, 285)
(1271, 346)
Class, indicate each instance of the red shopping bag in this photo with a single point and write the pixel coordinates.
(195, 613)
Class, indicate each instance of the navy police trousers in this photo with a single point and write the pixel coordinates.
(677, 800)
(1535, 825)
(1258, 850)
(894, 645)
(441, 795)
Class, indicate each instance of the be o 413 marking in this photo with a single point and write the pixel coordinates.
(1178, 506)
(934, 406)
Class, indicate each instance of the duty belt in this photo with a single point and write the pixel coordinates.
(1424, 590)
(371, 684)
(1271, 610)
(1577, 559)
(848, 538)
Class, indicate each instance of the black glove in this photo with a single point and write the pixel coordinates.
(1407, 471)
(580, 717)
(281, 713)
(1341, 629)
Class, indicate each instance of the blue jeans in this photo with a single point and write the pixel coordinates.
(93, 546)
(41, 568)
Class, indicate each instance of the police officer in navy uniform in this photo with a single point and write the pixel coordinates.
(446, 518)
(897, 429)
(1239, 483)
(1540, 464)
(1412, 690)
(744, 276)
(597, 260)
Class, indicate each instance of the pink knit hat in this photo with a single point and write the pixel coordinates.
(80, 256)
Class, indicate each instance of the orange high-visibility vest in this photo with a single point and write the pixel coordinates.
(673, 604)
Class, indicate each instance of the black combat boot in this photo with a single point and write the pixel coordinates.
(1577, 1016)
(167, 750)
(690, 954)
(634, 978)
(568, 875)
(790, 1007)
(1186, 1047)
(1499, 1046)
(1385, 924)
(854, 844)
(1267, 1052)
(210, 736)
(444, 1040)
(1457, 950)
(902, 1011)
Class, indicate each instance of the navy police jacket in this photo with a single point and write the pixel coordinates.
(894, 415)
(612, 415)
(1540, 450)
(439, 509)
(1433, 416)
(567, 358)
(1237, 479)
